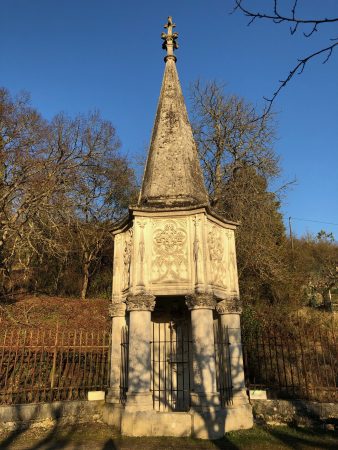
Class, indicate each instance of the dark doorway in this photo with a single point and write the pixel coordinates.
(171, 355)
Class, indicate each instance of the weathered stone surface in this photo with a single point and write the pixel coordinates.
(231, 304)
(174, 253)
(117, 309)
(141, 302)
(152, 423)
(173, 174)
(173, 245)
(47, 415)
(296, 412)
(200, 301)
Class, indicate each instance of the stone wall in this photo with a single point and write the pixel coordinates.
(47, 415)
(271, 412)
(295, 412)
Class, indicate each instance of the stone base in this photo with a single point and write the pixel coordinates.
(214, 424)
(112, 414)
(211, 424)
(153, 423)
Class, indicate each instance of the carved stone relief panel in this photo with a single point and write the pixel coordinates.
(198, 252)
(216, 249)
(233, 276)
(141, 253)
(127, 252)
(170, 262)
(117, 269)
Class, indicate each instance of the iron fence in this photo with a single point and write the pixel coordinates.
(297, 363)
(223, 364)
(44, 366)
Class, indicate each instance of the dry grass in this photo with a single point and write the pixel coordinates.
(46, 312)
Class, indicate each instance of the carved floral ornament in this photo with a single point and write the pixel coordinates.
(230, 305)
(141, 302)
(200, 301)
(169, 252)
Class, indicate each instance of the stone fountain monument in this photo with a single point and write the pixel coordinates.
(176, 358)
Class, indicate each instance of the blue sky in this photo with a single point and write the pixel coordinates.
(79, 55)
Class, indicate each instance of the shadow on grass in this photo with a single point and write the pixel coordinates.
(59, 436)
(100, 437)
(299, 438)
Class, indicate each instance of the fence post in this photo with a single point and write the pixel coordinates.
(52, 375)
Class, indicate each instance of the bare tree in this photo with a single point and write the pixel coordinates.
(62, 184)
(235, 145)
(26, 177)
(98, 186)
(230, 136)
(309, 25)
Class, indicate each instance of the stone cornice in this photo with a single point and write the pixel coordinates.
(141, 302)
(200, 301)
(231, 305)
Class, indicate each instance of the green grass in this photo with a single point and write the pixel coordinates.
(103, 437)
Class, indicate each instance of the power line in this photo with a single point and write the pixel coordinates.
(315, 221)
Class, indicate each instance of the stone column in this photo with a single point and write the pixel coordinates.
(204, 395)
(229, 311)
(139, 396)
(117, 311)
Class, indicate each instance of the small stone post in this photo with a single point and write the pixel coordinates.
(139, 396)
(229, 311)
(204, 395)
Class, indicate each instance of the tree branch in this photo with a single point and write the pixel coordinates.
(299, 68)
(276, 17)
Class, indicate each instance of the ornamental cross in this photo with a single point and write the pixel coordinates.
(169, 39)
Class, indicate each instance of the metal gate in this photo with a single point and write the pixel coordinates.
(223, 364)
(171, 365)
(124, 364)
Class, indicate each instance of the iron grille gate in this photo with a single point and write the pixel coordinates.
(171, 365)
(124, 364)
(171, 354)
(223, 364)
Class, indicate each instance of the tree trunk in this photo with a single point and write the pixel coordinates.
(85, 279)
(327, 300)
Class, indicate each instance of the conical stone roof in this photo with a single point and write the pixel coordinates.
(173, 176)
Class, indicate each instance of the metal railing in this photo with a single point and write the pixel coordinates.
(297, 363)
(45, 366)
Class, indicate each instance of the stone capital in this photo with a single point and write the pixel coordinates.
(141, 302)
(117, 309)
(200, 301)
(230, 305)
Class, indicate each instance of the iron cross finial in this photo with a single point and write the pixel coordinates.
(169, 39)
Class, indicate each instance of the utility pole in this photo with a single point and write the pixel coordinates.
(292, 247)
(291, 236)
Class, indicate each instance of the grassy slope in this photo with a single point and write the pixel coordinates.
(47, 312)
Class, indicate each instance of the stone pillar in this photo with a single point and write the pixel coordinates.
(117, 311)
(204, 396)
(139, 396)
(229, 311)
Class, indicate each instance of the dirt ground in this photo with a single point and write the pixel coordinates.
(103, 437)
